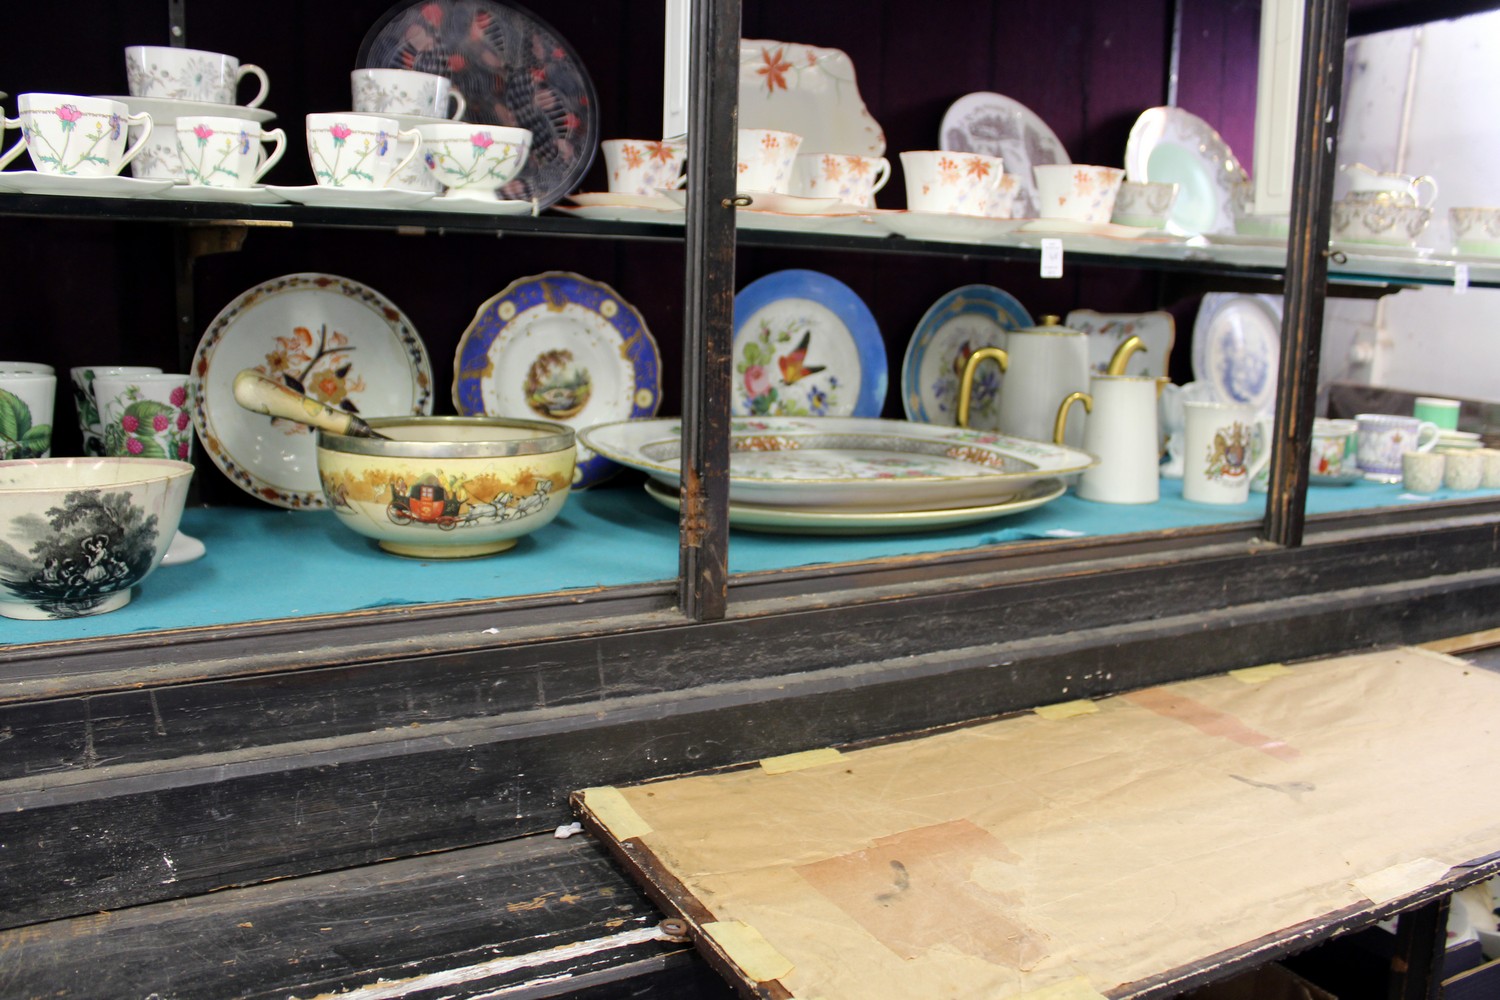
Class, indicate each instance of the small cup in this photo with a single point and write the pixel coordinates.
(764, 161)
(1145, 204)
(1443, 412)
(1078, 192)
(226, 152)
(1333, 447)
(1384, 437)
(26, 405)
(643, 166)
(1475, 230)
(190, 75)
(1463, 468)
(1422, 471)
(146, 415)
(850, 178)
(1219, 460)
(75, 136)
(1375, 221)
(474, 161)
(1491, 478)
(82, 379)
(357, 151)
(952, 183)
(158, 158)
(406, 92)
(1002, 202)
(26, 368)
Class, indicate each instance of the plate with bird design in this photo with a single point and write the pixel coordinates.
(806, 345)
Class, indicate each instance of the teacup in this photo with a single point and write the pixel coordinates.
(1376, 221)
(1443, 412)
(1423, 471)
(26, 368)
(1218, 444)
(406, 92)
(357, 151)
(190, 75)
(226, 152)
(953, 183)
(158, 157)
(643, 166)
(1463, 469)
(1145, 204)
(850, 178)
(1385, 437)
(1491, 458)
(1333, 447)
(75, 136)
(1475, 230)
(474, 161)
(764, 161)
(145, 414)
(1366, 184)
(1002, 203)
(26, 404)
(82, 378)
(1078, 192)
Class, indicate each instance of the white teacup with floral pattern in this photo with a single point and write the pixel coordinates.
(89, 425)
(406, 92)
(27, 399)
(1475, 230)
(643, 166)
(765, 160)
(1002, 203)
(1078, 192)
(1385, 437)
(357, 151)
(75, 136)
(474, 161)
(1145, 204)
(852, 179)
(955, 183)
(226, 152)
(145, 414)
(190, 75)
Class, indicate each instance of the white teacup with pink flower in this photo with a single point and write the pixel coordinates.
(145, 414)
(472, 160)
(357, 151)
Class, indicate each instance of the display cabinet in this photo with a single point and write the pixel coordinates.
(322, 731)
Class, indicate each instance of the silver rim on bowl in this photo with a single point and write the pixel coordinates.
(547, 437)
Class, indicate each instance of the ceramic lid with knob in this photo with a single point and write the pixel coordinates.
(1051, 326)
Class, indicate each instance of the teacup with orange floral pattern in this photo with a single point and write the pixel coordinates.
(1077, 191)
(643, 166)
(850, 178)
(955, 183)
(765, 161)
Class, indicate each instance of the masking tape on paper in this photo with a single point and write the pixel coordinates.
(1261, 674)
(1400, 880)
(1077, 988)
(800, 761)
(745, 947)
(1067, 709)
(618, 816)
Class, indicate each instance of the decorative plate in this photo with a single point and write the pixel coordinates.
(807, 90)
(996, 125)
(955, 326)
(1107, 331)
(330, 337)
(798, 521)
(1237, 347)
(806, 345)
(827, 463)
(1178, 147)
(557, 346)
(513, 69)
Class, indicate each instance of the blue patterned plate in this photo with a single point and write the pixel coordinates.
(1237, 347)
(557, 346)
(805, 345)
(957, 325)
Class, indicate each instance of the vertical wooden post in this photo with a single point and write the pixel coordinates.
(1421, 941)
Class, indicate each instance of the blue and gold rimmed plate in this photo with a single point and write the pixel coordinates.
(559, 347)
(955, 326)
(806, 345)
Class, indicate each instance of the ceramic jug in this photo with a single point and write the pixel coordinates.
(1398, 189)
(1043, 365)
(1122, 432)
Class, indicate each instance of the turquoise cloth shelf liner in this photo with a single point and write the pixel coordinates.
(265, 564)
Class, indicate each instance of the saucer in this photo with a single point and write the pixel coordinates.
(1353, 248)
(318, 194)
(1342, 479)
(946, 227)
(32, 182)
(672, 216)
(478, 206)
(1108, 230)
(164, 109)
(620, 199)
(239, 196)
(839, 224)
(413, 121)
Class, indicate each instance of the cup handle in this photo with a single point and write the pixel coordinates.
(144, 121)
(416, 149)
(460, 106)
(882, 174)
(1430, 430)
(966, 381)
(250, 69)
(1060, 426)
(681, 181)
(14, 151)
(279, 137)
(1432, 186)
(1266, 428)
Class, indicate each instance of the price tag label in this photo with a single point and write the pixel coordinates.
(1460, 278)
(1052, 258)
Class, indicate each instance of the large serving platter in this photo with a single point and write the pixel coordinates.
(954, 327)
(1178, 147)
(1001, 126)
(561, 347)
(807, 90)
(803, 521)
(849, 463)
(337, 340)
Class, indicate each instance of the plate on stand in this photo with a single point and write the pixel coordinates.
(559, 347)
(996, 125)
(1178, 147)
(806, 345)
(1237, 347)
(955, 326)
(337, 340)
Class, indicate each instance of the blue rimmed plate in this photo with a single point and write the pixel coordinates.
(806, 345)
(955, 326)
(558, 346)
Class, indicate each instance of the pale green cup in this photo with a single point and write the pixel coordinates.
(1443, 412)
